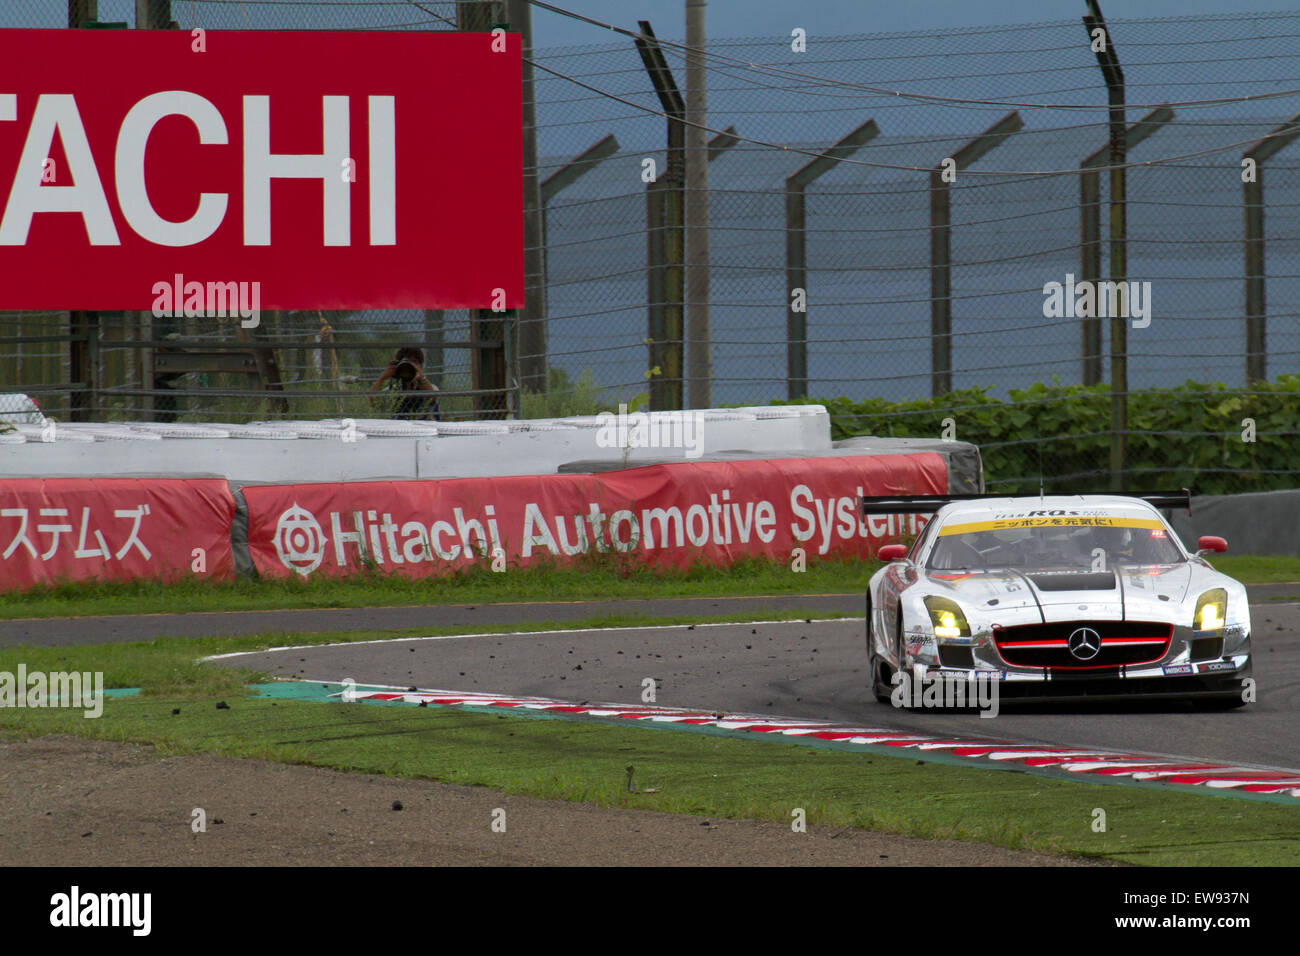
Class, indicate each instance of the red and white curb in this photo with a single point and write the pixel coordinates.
(1105, 763)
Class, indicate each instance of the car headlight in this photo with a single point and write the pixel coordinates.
(947, 617)
(1211, 610)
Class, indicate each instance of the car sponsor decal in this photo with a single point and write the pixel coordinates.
(1068, 521)
(1216, 666)
(1150, 769)
(966, 675)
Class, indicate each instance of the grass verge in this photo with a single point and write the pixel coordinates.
(704, 775)
(596, 579)
(690, 773)
(599, 578)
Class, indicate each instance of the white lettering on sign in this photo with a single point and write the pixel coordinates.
(57, 113)
(129, 166)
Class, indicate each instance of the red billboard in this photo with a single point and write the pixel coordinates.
(661, 515)
(220, 173)
(85, 529)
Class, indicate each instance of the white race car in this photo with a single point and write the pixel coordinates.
(1056, 597)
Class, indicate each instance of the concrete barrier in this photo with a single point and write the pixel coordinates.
(1257, 522)
(379, 449)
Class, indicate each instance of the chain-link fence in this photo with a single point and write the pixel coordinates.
(925, 303)
(929, 317)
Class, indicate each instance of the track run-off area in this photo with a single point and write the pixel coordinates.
(812, 669)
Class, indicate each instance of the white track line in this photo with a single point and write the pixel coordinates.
(571, 630)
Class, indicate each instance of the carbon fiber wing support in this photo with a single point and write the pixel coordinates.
(928, 504)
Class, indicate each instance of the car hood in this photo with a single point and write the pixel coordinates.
(1135, 593)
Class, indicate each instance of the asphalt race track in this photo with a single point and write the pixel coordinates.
(815, 670)
(121, 628)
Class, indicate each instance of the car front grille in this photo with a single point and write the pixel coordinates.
(1122, 643)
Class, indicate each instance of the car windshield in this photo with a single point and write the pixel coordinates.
(1052, 545)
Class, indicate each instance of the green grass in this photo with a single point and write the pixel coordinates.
(1258, 569)
(702, 775)
(586, 761)
(601, 577)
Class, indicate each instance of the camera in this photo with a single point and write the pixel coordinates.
(405, 370)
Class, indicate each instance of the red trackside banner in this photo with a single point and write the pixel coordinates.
(219, 173)
(81, 529)
(674, 515)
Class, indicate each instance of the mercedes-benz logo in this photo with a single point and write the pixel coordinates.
(1084, 643)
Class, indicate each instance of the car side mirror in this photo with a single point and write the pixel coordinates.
(1209, 542)
(892, 552)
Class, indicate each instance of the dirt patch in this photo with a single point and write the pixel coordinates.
(67, 801)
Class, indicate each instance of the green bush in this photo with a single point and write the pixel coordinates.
(564, 397)
(1190, 436)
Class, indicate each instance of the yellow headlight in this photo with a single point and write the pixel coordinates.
(946, 617)
(1211, 610)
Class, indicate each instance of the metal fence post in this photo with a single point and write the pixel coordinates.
(796, 252)
(671, 192)
(1111, 71)
(1256, 280)
(941, 248)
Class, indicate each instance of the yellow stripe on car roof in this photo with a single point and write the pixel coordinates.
(1067, 521)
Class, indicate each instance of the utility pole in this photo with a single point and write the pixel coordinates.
(699, 360)
(83, 326)
(532, 319)
(491, 331)
(154, 15)
(1090, 230)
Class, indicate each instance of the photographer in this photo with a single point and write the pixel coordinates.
(406, 369)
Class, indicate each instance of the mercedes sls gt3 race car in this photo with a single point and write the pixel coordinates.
(1056, 597)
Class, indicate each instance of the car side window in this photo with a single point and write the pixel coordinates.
(919, 544)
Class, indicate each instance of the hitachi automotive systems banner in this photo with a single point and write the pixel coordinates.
(675, 514)
(182, 171)
(80, 529)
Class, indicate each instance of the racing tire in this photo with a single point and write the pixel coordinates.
(879, 689)
(899, 656)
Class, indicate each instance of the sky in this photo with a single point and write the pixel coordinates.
(747, 18)
(724, 18)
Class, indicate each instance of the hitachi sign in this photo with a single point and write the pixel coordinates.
(334, 167)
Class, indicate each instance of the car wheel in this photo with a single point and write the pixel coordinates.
(879, 689)
(899, 649)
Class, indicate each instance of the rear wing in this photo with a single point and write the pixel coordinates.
(928, 504)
